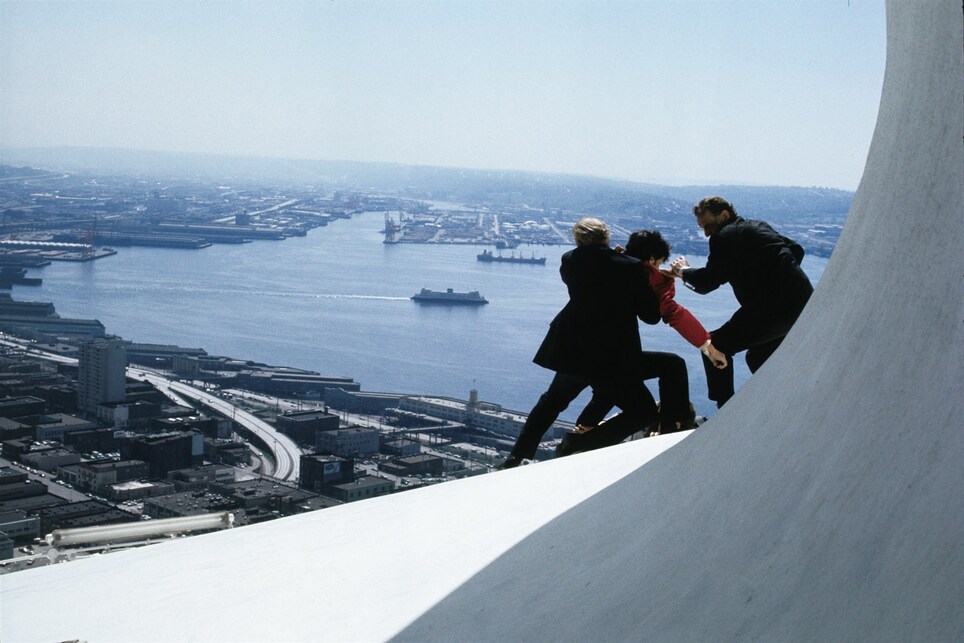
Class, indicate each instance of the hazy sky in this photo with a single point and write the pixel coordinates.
(777, 91)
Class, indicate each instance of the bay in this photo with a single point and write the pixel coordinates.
(337, 302)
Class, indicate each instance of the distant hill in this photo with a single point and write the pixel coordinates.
(622, 200)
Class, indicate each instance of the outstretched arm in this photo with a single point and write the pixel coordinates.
(702, 280)
(677, 316)
(682, 320)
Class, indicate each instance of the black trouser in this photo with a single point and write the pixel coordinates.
(628, 393)
(674, 391)
(759, 333)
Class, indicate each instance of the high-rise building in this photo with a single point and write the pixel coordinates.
(165, 451)
(102, 376)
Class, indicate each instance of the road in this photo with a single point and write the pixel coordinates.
(29, 349)
(286, 453)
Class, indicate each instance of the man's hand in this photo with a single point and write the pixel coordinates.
(715, 356)
(678, 265)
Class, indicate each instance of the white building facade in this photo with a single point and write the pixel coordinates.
(102, 373)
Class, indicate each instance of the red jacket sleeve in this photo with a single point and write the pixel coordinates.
(673, 314)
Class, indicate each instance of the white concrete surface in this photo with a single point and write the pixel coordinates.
(823, 503)
(357, 572)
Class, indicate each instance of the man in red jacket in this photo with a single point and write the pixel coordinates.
(675, 410)
(593, 342)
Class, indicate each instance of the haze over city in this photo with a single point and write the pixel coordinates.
(667, 92)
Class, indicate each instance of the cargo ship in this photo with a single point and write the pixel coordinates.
(10, 275)
(450, 297)
(488, 257)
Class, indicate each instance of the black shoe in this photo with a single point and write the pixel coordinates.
(687, 423)
(510, 463)
(567, 446)
(690, 421)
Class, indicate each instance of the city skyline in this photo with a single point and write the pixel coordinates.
(719, 92)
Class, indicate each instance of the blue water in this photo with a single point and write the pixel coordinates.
(337, 302)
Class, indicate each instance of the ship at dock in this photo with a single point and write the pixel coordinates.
(10, 275)
(488, 257)
(450, 297)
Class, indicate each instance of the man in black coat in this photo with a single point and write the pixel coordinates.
(763, 267)
(594, 342)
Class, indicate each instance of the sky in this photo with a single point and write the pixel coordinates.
(775, 92)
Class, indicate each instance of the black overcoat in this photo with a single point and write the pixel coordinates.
(596, 334)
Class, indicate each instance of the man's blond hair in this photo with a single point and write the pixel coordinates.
(590, 231)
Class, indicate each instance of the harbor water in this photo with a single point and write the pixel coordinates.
(337, 301)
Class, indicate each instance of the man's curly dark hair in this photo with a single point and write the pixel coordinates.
(648, 244)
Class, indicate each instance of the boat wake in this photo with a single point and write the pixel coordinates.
(376, 297)
(264, 293)
(318, 295)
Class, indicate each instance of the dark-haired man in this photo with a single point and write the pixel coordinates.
(763, 268)
(676, 413)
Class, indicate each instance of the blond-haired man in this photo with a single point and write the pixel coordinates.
(593, 342)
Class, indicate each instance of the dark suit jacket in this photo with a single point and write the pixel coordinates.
(596, 334)
(761, 265)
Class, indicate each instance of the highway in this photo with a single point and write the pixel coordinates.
(286, 453)
(28, 348)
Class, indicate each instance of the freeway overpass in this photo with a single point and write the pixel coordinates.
(285, 452)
